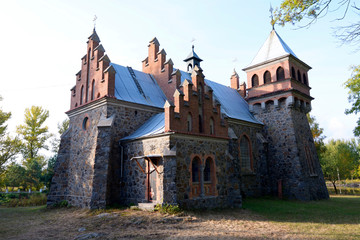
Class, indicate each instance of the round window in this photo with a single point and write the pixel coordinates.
(86, 123)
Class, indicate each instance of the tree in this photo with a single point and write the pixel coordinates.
(353, 85)
(48, 173)
(339, 160)
(317, 133)
(14, 175)
(33, 134)
(62, 127)
(9, 147)
(33, 139)
(294, 11)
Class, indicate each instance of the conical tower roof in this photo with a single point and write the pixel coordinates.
(273, 48)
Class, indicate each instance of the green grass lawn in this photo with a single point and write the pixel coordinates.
(336, 218)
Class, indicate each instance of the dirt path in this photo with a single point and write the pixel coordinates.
(41, 223)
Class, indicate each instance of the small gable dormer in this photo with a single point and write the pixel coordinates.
(192, 60)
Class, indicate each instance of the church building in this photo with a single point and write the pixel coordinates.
(166, 135)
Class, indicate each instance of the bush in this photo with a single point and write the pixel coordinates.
(31, 200)
(168, 208)
(62, 204)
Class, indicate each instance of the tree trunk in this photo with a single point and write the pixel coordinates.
(333, 182)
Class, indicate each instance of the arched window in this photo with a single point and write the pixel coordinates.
(280, 74)
(88, 77)
(93, 89)
(267, 77)
(245, 154)
(209, 177)
(207, 171)
(255, 80)
(212, 129)
(195, 170)
(86, 123)
(200, 124)
(299, 76)
(195, 183)
(189, 122)
(189, 67)
(81, 94)
(293, 75)
(305, 80)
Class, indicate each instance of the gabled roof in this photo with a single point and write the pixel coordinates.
(232, 104)
(274, 47)
(192, 54)
(155, 125)
(143, 90)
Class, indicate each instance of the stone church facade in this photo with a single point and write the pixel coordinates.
(164, 135)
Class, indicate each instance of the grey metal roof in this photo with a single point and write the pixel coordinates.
(142, 90)
(192, 54)
(232, 104)
(155, 125)
(273, 47)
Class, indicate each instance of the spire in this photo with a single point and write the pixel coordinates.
(192, 55)
(274, 47)
(192, 60)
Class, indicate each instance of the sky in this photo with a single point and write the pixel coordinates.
(43, 42)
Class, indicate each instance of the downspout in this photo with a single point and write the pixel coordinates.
(121, 159)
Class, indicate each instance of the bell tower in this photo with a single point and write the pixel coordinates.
(192, 60)
(279, 96)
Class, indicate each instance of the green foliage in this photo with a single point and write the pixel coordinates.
(167, 208)
(339, 160)
(9, 147)
(62, 204)
(33, 138)
(353, 85)
(23, 199)
(48, 173)
(295, 11)
(62, 127)
(14, 175)
(317, 133)
(33, 134)
(33, 173)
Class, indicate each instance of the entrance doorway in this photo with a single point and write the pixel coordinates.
(152, 180)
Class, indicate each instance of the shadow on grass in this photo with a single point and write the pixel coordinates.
(336, 210)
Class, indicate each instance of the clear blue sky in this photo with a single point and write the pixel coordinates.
(43, 42)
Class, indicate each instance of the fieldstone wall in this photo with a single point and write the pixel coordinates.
(134, 179)
(227, 177)
(288, 132)
(253, 183)
(87, 172)
(126, 121)
(82, 153)
(58, 190)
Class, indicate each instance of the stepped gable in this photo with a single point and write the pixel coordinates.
(195, 106)
(232, 104)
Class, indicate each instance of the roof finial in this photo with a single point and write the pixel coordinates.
(94, 20)
(193, 47)
(272, 17)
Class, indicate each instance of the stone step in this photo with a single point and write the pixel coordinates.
(147, 206)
